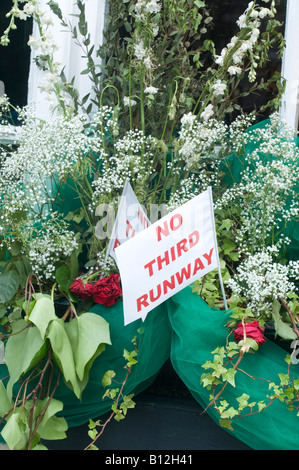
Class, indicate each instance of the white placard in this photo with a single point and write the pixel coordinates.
(130, 220)
(167, 256)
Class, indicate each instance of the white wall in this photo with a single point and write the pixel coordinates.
(69, 54)
(290, 66)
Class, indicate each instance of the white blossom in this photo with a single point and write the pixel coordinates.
(151, 90)
(207, 113)
(219, 88)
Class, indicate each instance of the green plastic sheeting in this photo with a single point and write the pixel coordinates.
(153, 351)
(198, 330)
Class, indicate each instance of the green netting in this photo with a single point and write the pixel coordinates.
(197, 330)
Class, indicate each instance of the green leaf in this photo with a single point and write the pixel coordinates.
(229, 375)
(63, 277)
(23, 351)
(51, 427)
(282, 329)
(5, 402)
(93, 332)
(199, 4)
(9, 284)
(15, 433)
(226, 423)
(43, 313)
(108, 376)
(63, 354)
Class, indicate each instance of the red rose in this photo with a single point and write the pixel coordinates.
(81, 289)
(107, 290)
(253, 330)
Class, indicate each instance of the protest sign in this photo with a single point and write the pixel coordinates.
(130, 220)
(167, 256)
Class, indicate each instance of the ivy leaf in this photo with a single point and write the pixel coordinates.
(226, 423)
(108, 376)
(229, 375)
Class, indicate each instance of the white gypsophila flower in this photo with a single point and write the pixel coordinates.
(266, 192)
(201, 141)
(132, 156)
(219, 88)
(207, 113)
(151, 90)
(48, 247)
(261, 280)
(47, 153)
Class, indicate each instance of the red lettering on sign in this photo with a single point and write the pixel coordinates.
(142, 301)
(209, 256)
(150, 267)
(161, 260)
(168, 284)
(142, 218)
(181, 246)
(198, 264)
(130, 228)
(153, 298)
(193, 238)
(179, 219)
(175, 223)
(185, 273)
(116, 244)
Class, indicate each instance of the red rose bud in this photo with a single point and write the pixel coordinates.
(253, 330)
(107, 290)
(81, 289)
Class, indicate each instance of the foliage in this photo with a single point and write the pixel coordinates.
(35, 344)
(121, 403)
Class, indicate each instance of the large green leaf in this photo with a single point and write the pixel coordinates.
(15, 433)
(51, 427)
(63, 354)
(9, 283)
(282, 329)
(5, 402)
(88, 333)
(24, 349)
(43, 313)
